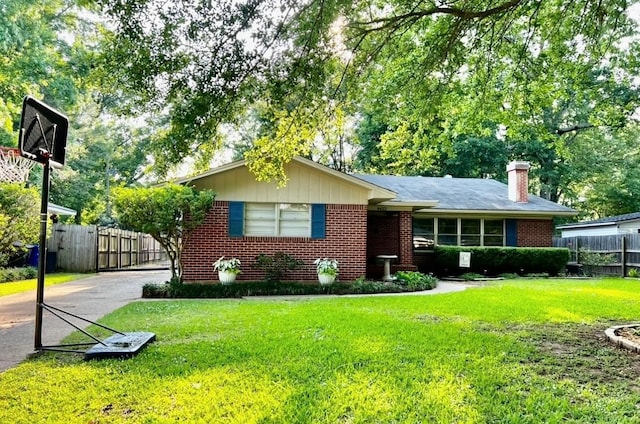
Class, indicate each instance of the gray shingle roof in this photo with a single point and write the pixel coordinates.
(462, 194)
(607, 220)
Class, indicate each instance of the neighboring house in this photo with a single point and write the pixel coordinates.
(620, 224)
(354, 218)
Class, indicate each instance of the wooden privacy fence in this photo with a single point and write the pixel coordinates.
(88, 248)
(624, 248)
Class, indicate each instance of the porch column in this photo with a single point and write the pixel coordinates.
(406, 238)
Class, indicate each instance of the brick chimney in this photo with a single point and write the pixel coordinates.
(518, 173)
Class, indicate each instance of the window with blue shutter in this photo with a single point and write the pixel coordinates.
(318, 221)
(236, 219)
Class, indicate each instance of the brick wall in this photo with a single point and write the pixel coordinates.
(535, 233)
(389, 233)
(346, 232)
(406, 237)
(382, 235)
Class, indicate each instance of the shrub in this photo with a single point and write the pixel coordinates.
(471, 276)
(415, 281)
(500, 260)
(17, 274)
(595, 261)
(177, 289)
(276, 266)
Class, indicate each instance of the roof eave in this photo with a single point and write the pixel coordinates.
(374, 191)
(212, 171)
(505, 212)
(60, 210)
(414, 204)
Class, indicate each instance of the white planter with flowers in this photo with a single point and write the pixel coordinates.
(327, 270)
(228, 269)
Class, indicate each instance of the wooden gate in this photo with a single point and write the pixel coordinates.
(80, 248)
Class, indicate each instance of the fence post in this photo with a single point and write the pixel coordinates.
(624, 256)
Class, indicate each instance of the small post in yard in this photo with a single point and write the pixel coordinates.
(624, 255)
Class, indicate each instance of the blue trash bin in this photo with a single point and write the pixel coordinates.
(34, 255)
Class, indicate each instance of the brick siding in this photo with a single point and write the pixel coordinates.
(346, 241)
(535, 233)
(390, 233)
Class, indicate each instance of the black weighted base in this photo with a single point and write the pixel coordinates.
(120, 345)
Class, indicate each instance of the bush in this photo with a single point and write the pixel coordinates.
(276, 266)
(595, 262)
(17, 274)
(416, 281)
(176, 289)
(471, 276)
(501, 260)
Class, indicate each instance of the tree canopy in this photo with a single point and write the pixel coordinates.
(414, 87)
(41, 54)
(501, 61)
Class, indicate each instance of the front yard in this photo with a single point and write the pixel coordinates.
(515, 351)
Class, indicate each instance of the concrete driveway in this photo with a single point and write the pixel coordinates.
(90, 298)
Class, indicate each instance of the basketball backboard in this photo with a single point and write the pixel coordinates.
(43, 132)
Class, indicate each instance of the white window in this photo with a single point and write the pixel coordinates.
(457, 232)
(277, 219)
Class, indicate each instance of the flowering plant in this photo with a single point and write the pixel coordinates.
(326, 266)
(227, 265)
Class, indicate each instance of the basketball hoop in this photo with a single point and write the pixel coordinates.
(13, 167)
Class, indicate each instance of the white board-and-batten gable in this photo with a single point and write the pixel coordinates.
(606, 230)
(612, 225)
(307, 182)
(629, 227)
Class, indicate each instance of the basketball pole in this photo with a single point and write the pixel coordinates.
(42, 258)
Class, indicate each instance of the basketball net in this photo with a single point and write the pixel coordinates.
(13, 167)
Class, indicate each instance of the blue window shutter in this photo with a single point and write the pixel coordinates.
(236, 219)
(318, 221)
(512, 232)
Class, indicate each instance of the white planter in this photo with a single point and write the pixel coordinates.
(226, 277)
(326, 279)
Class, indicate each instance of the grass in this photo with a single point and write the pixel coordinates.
(26, 285)
(512, 352)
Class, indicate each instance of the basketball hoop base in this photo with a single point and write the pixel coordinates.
(120, 345)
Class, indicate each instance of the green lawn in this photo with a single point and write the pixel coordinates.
(26, 285)
(515, 352)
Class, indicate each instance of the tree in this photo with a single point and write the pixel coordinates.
(19, 219)
(608, 181)
(545, 93)
(168, 213)
(41, 54)
(102, 152)
(204, 62)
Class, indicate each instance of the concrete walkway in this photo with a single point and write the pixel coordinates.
(443, 287)
(94, 297)
(91, 298)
